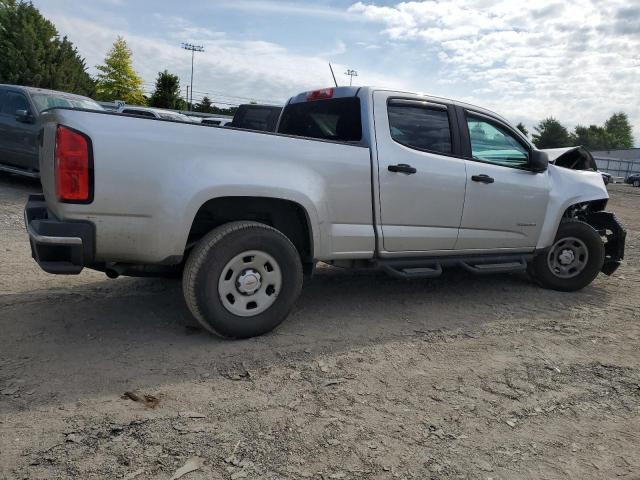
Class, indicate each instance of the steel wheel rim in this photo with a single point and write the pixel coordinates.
(249, 283)
(568, 257)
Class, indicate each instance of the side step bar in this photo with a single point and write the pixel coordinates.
(19, 171)
(412, 268)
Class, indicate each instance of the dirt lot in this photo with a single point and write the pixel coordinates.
(370, 377)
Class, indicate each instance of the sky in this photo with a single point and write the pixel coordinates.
(575, 60)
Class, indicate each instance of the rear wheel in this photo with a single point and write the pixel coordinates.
(573, 261)
(242, 279)
(636, 183)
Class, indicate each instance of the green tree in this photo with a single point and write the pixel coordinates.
(167, 92)
(205, 105)
(550, 133)
(620, 131)
(117, 79)
(592, 137)
(33, 53)
(523, 129)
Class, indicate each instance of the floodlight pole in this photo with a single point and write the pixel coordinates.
(193, 49)
(351, 73)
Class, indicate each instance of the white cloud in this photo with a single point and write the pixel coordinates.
(578, 61)
(252, 69)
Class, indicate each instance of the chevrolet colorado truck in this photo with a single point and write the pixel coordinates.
(354, 177)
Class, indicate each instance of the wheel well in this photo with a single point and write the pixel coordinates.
(284, 215)
(581, 211)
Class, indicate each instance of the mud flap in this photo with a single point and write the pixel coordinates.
(615, 234)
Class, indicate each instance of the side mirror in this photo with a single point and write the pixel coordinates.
(24, 116)
(539, 161)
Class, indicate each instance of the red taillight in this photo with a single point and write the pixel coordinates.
(72, 166)
(320, 94)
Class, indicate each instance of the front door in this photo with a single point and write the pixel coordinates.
(19, 140)
(421, 181)
(505, 203)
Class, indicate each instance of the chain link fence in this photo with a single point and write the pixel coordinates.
(620, 163)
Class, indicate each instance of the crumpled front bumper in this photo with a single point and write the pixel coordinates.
(57, 246)
(615, 234)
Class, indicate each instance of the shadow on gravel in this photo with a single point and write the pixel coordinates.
(17, 182)
(108, 337)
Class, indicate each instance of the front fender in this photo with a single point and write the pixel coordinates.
(567, 188)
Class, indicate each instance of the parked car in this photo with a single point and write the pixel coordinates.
(216, 121)
(356, 177)
(256, 117)
(633, 180)
(156, 113)
(21, 109)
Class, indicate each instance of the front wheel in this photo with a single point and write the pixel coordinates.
(573, 261)
(242, 279)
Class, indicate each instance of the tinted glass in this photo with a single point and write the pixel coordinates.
(424, 128)
(140, 113)
(256, 118)
(337, 119)
(44, 101)
(494, 144)
(14, 101)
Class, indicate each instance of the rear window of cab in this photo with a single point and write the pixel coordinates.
(336, 119)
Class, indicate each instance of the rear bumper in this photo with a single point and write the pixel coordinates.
(610, 227)
(58, 247)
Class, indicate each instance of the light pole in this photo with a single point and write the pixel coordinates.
(193, 49)
(351, 73)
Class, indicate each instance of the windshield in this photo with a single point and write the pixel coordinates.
(44, 101)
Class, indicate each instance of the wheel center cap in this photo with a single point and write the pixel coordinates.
(566, 257)
(249, 282)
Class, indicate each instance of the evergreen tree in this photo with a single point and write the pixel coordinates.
(205, 105)
(523, 129)
(550, 133)
(167, 92)
(33, 54)
(117, 79)
(619, 130)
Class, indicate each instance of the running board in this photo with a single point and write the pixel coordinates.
(411, 268)
(19, 171)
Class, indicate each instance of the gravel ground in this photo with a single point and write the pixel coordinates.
(369, 378)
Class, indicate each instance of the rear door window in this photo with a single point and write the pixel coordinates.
(337, 119)
(420, 125)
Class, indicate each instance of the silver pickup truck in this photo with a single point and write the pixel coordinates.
(355, 177)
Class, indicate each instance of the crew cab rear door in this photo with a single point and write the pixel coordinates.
(505, 202)
(421, 178)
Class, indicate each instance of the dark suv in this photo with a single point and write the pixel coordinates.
(633, 179)
(20, 110)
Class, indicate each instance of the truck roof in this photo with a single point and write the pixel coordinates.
(352, 91)
(44, 91)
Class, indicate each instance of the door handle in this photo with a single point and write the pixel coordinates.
(402, 168)
(482, 178)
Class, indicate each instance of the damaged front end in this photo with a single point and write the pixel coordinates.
(614, 236)
(611, 231)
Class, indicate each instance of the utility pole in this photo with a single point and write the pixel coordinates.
(193, 49)
(351, 73)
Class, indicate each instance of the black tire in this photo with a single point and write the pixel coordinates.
(205, 265)
(540, 268)
(636, 183)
